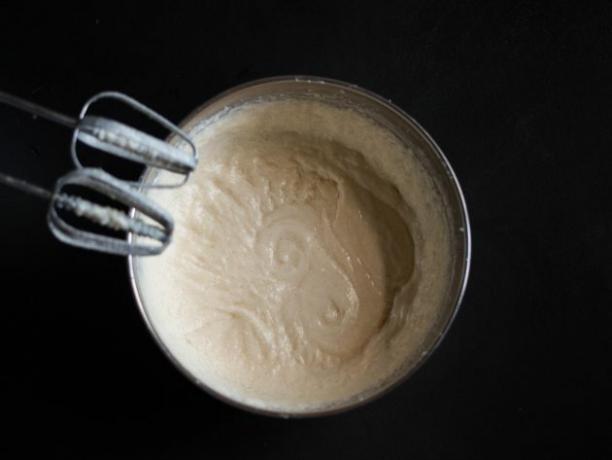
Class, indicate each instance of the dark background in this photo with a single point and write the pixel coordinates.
(518, 96)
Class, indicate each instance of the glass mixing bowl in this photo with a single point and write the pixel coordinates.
(407, 131)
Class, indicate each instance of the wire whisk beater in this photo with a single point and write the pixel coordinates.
(150, 222)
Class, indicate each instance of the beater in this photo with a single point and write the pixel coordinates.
(151, 223)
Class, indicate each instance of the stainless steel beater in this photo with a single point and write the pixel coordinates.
(151, 223)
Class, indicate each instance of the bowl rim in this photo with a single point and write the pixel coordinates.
(353, 402)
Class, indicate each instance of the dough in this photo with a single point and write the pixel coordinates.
(309, 261)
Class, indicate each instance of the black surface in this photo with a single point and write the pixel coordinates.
(518, 96)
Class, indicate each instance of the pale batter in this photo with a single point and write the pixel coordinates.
(309, 260)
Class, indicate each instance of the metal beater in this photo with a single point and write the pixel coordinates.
(151, 223)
